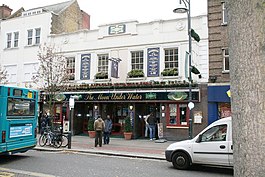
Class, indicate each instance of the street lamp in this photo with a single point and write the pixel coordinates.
(184, 7)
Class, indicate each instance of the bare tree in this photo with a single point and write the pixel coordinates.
(52, 73)
(247, 70)
(3, 74)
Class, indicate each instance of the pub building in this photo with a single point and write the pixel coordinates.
(169, 102)
(131, 69)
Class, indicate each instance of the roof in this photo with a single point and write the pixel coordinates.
(56, 8)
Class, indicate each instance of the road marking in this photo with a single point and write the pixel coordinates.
(12, 172)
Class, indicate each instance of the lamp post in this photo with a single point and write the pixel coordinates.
(185, 8)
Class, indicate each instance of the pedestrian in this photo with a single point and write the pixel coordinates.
(43, 124)
(146, 125)
(99, 126)
(152, 124)
(107, 129)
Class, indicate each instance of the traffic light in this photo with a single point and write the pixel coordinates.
(194, 35)
(194, 70)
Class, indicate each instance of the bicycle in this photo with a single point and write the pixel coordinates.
(50, 138)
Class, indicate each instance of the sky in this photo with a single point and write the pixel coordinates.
(110, 11)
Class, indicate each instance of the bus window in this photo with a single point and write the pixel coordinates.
(20, 107)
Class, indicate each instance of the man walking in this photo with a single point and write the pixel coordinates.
(99, 126)
(107, 130)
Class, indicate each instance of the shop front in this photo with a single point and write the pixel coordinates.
(219, 105)
(170, 108)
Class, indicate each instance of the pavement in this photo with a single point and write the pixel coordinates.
(136, 148)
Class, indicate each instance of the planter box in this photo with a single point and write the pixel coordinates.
(127, 135)
(92, 134)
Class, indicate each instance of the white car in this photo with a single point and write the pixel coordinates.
(213, 146)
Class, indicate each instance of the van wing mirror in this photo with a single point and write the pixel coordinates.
(199, 139)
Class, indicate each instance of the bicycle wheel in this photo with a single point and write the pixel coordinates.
(64, 140)
(57, 141)
(43, 140)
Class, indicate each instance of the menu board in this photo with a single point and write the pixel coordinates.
(85, 66)
(153, 62)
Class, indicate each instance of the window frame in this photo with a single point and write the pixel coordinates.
(16, 39)
(213, 137)
(224, 13)
(103, 63)
(171, 58)
(225, 55)
(37, 35)
(137, 60)
(30, 37)
(8, 40)
(70, 64)
(178, 117)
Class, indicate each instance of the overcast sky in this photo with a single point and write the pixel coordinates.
(108, 11)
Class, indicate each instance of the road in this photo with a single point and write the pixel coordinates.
(37, 163)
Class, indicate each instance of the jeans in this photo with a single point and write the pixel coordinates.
(106, 137)
(146, 130)
(152, 131)
(98, 138)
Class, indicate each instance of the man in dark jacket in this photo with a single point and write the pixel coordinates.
(107, 130)
(99, 126)
(152, 125)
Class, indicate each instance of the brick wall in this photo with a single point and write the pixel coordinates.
(218, 39)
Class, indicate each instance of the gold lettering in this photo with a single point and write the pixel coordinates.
(102, 97)
(89, 97)
(132, 96)
(117, 96)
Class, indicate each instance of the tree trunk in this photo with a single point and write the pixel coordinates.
(246, 24)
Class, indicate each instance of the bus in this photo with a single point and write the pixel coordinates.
(18, 119)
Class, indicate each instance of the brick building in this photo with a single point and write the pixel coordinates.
(219, 79)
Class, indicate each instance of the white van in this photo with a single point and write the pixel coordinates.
(213, 146)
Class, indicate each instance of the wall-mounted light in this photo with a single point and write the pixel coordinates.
(95, 107)
(87, 115)
(213, 79)
(163, 107)
(131, 107)
(79, 115)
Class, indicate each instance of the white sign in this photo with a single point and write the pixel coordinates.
(71, 103)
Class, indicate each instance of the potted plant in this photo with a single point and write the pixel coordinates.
(170, 72)
(136, 73)
(101, 75)
(90, 128)
(127, 128)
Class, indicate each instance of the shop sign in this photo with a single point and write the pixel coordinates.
(153, 62)
(85, 66)
(141, 96)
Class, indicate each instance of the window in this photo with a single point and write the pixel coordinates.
(11, 73)
(20, 107)
(225, 60)
(37, 36)
(103, 63)
(16, 36)
(137, 60)
(217, 133)
(171, 58)
(224, 14)
(177, 115)
(30, 70)
(30, 35)
(9, 38)
(71, 67)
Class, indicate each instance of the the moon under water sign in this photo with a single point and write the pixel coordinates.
(153, 57)
(85, 66)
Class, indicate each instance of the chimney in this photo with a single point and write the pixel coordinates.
(5, 11)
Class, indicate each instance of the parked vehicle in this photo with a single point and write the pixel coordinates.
(213, 146)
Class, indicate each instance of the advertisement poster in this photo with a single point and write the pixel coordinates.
(153, 62)
(85, 66)
(20, 130)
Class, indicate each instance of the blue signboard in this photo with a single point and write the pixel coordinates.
(153, 57)
(85, 66)
(20, 130)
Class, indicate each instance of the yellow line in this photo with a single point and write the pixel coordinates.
(23, 172)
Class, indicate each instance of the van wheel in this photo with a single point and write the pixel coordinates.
(180, 161)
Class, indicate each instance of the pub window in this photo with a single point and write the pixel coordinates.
(37, 36)
(71, 67)
(177, 115)
(171, 58)
(137, 60)
(224, 14)
(103, 63)
(225, 53)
